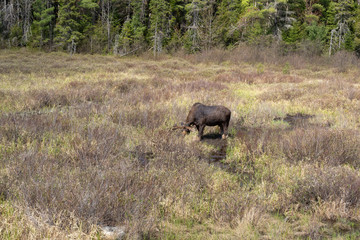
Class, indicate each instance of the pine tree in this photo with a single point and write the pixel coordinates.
(138, 23)
(178, 11)
(228, 15)
(341, 36)
(208, 26)
(73, 22)
(294, 34)
(254, 33)
(68, 25)
(192, 38)
(160, 24)
(357, 32)
(126, 38)
(317, 33)
(42, 26)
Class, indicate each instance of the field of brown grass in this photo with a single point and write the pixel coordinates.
(86, 142)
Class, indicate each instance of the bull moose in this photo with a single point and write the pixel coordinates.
(201, 115)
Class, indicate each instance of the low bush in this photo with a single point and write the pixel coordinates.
(322, 145)
(336, 184)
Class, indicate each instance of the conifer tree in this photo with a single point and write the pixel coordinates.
(192, 38)
(160, 24)
(43, 27)
(357, 32)
(68, 25)
(125, 38)
(72, 22)
(138, 23)
(294, 34)
(228, 15)
(341, 36)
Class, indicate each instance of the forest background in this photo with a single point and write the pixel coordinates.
(123, 27)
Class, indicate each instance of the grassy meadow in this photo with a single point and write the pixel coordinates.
(86, 142)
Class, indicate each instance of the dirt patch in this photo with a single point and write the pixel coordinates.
(220, 152)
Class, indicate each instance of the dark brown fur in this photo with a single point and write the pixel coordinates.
(201, 115)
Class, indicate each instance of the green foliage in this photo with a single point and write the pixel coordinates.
(260, 68)
(294, 34)
(254, 34)
(88, 4)
(42, 27)
(357, 32)
(228, 15)
(349, 43)
(315, 32)
(194, 25)
(286, 68)
(15, 35)
(68, 25)
(138, 25)
(330, 15)
(160, 24)
(73, 22)
(298, 7)
(318, 9)
(126, 36)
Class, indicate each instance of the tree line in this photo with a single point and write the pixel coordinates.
(130, 26)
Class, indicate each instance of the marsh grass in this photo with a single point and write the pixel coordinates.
(85, 142)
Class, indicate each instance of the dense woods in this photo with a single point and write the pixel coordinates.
(131, 26)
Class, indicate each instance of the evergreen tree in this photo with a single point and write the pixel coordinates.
(341, 36)
(192, 38)
(138, 23)
(160, 24)
(297, 7)
(228, 15)
(68, 25)
(317, 33)
(127, 26)
(294, 34)
(72, 22)
(255, 33)
(126, 38)
(357, 32)
(207, 25)
(43, 27)
(179, 24)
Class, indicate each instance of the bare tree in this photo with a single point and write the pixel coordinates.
(8, 13)
(26, 15)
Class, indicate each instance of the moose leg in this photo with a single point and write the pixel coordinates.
(201, 131)
(225, 129)
(221, 129)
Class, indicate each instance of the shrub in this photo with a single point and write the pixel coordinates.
(338, 184)
(321, 145)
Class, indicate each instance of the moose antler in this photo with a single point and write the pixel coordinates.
(175, 127)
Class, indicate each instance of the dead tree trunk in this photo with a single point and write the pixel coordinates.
(26, 20)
